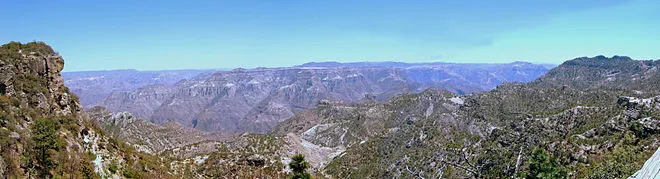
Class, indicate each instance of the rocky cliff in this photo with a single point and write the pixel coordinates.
(33, 75)
(45, 133)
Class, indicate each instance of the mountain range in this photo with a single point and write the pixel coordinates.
(586, 118)
(94, 86)
(256, 100)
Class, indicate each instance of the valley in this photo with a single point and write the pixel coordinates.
(256, 100)
(588, 117)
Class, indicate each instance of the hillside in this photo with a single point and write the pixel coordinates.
(575, 130)
(587, 118)
(45, 133)
(256, 100)
(605, 130)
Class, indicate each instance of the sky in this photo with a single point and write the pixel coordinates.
(159, 35)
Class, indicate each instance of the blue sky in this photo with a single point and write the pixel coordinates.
(153, 35)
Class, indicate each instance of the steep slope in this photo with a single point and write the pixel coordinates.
(94, 86)
(148, 137)
(257, 100)
(603, 130)
(140, 102)
(44, 132)
(33, 99)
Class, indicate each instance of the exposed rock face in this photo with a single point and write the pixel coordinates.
(32, 89)
(94, 86)
(257, 100)
(43, 131)
(142, 102)
(19, 76)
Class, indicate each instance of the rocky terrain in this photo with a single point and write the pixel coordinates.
(578, 131)
(93, 86)
(587, 118)
(256, 100)
(575, 130)
(146, 136)
(45, 133)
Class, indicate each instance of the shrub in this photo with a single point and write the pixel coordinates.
(638, 129)
(544, 166)
(113, 168)
(5, 102)
(40, 48)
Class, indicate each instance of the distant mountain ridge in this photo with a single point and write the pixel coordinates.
(93, 86)
(256, 100)
(618, 72)
(403, 64)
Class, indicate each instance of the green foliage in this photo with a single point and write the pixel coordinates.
(40, 48)
(543, 166)
(299, 166)
(638, 129)
(5, 102)
(30, 84)
(88, 172)
(47, 144)
(447, 173)
(238, 153)
(69, 123)
(128, 173)
(91, 155)
(627, 157)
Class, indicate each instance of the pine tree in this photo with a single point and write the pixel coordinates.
(545, 166)
(298, 165)
(47, 144)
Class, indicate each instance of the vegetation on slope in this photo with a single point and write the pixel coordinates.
(591, 130)
(557, 126)
(45, 134)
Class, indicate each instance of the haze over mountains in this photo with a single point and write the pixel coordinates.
(94, 86)
(256, 100)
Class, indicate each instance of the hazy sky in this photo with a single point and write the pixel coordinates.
(152, 35)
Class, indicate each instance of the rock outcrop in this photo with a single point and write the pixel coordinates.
(44, 132)
(35, 76)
